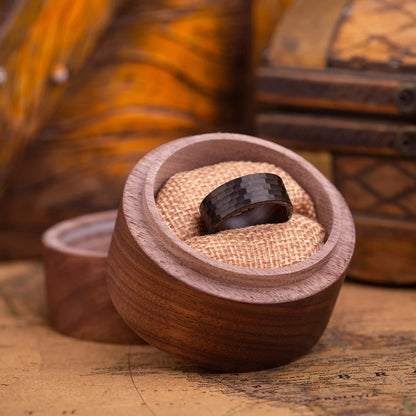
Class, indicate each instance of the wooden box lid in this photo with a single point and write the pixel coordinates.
(78, 302)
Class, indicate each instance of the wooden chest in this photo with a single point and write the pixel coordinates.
(339, 82)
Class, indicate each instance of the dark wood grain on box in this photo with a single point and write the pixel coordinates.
(187, 304)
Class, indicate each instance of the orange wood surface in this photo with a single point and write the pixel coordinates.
(304, 34)
(266, 15)
(161, 70)
(376, 34)
(41, 43)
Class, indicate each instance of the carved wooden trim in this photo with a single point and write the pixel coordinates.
(335, 89)
(354, 135)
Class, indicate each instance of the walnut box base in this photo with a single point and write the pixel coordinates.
(213, 314)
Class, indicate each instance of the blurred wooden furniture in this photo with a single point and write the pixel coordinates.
(363, 364)
(265, 15)
(88, 87)
(340, 83)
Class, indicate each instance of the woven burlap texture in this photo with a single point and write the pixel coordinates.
(259, 246)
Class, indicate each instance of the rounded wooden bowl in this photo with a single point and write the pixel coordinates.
(75, 254)
(210, 313)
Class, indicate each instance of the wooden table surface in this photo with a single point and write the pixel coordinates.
(365, 364)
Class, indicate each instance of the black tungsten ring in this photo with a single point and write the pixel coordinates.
(260, 198)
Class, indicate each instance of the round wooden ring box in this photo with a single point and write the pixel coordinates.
(210, 313)
(75, 254)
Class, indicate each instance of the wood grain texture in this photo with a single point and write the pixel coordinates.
(41, 43)
(363, 364)
(382, 186)
(186, 303)
(337, 90)
(265, 15)
(162, 70)
(75, 254)
(373, 167)
(376, 34)
(304, 34)
(381, 193)
(385, 250)
(162, 67)
(343, 134)
(7, 9)
(359, 106)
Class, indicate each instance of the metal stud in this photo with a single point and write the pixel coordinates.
(60, 74)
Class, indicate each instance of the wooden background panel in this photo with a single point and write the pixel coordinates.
(376, 34)
(339, 134)
(377, 185)
(364, 364)
(162, 70)
(161, 66)
(337, 90)
(381, 192)
(385, 251)
(7, 8)
(266, 15)
(41, 42)
(303, 36)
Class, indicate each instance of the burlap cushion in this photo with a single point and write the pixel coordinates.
(260, 246)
